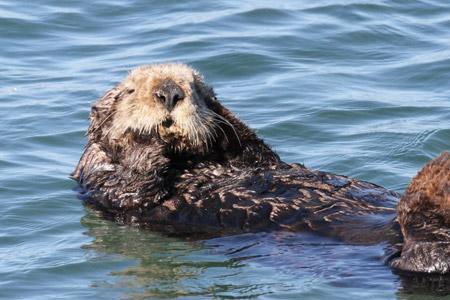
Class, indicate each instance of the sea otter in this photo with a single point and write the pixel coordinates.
(165, 154)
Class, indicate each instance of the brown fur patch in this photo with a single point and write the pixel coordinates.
(431, 186)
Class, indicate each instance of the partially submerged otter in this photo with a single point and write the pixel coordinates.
(163, 153)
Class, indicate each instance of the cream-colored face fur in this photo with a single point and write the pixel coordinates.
(194, 125)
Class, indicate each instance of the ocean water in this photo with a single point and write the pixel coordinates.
(355, 87)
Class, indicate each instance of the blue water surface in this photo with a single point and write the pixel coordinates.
(359, 88)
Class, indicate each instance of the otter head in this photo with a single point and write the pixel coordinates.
(169, 100)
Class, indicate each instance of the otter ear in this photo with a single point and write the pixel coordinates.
(424, 217)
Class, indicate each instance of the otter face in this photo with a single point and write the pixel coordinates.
(169, 100)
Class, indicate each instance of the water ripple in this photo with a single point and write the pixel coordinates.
(353, 87)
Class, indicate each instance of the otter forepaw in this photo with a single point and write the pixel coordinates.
(424, 257)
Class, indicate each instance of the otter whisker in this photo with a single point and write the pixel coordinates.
(192, 133)
(212, 131)
(205, 132)
(223, 131)
(202, 133)
(101, 123)
(226, 122)
(206, 138)
(109, 130)
(197, 136)
(216, 124)
(209, 133)
(221, 119)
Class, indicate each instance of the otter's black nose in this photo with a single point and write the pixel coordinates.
(169, 93)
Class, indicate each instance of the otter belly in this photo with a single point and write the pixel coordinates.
(290, 199)
(213, 199)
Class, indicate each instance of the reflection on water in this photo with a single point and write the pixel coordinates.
(423, 286)
(168, 266)
(161, 265)
(272, 264)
